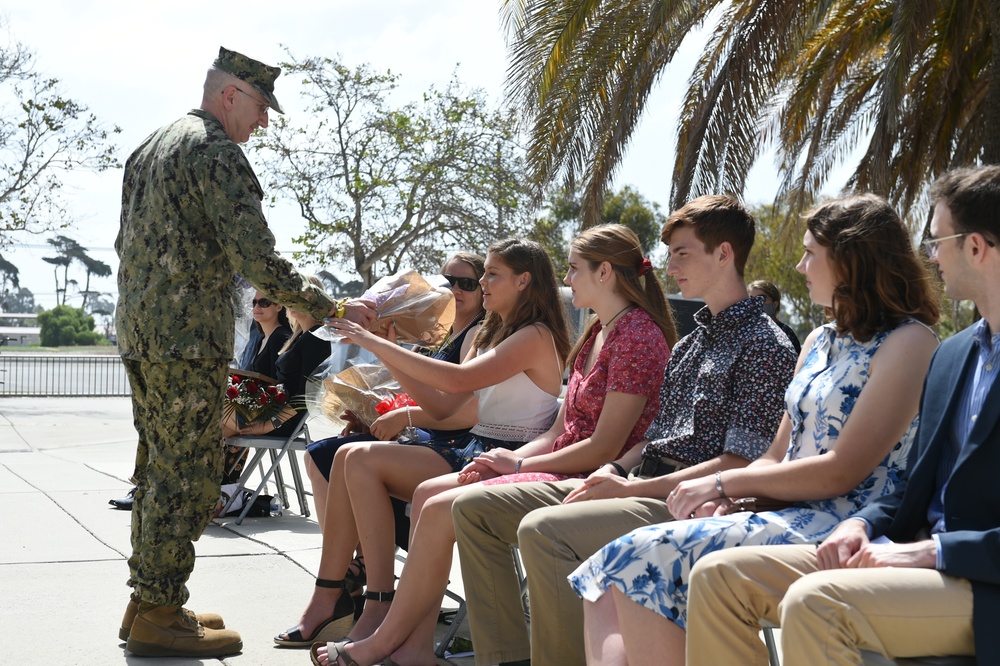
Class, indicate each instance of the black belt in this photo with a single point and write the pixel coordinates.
(652, 466)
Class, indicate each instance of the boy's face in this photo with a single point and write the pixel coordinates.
(694, 269)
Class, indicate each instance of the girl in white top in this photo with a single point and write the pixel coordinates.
(519, 352)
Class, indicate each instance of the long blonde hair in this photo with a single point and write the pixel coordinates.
(296, 328)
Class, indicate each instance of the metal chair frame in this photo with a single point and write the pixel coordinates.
(279, 448)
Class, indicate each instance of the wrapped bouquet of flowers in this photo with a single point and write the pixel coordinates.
(422, 314)
(253, 397)
(357, 390)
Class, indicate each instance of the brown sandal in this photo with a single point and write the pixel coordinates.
(335, 652)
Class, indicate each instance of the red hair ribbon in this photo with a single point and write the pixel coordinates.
(645, 266)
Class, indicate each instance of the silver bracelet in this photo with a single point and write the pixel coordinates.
(409, 417)
(718, 484)
(517, 465)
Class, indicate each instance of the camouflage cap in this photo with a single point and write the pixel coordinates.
(254, 72)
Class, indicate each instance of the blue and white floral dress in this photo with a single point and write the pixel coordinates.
(651, 565)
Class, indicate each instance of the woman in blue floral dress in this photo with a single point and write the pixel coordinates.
(851, 414)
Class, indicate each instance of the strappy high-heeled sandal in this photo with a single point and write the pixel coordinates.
(356, 581)
(384, 597)
(333, 628)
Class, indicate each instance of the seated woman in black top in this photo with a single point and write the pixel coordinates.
(296, 361)
(272, 319)
(269, 332)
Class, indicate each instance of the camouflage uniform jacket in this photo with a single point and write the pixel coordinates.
(191, 220)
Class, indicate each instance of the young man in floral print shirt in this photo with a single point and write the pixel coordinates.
(720, 405)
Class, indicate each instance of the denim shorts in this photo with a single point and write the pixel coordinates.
(459, 452)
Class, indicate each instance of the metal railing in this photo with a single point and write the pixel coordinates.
(62, 375)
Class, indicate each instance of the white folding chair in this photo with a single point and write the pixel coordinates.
(869, 658)
(279, 448)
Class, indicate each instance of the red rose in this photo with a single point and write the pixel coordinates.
(263, 399)
(251, 386)
(232, 393)
(272, 390)
(235, 379)
(280, 397)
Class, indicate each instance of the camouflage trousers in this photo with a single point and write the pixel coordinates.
(177, 409)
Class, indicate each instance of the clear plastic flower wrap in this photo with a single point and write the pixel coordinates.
(423, 314)
(351, 380)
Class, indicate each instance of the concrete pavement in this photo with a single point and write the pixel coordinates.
(63, 548)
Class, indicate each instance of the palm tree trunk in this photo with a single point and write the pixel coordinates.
(991, 143)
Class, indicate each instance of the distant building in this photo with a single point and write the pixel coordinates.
(13, 330)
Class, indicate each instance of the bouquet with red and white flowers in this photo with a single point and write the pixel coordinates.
(253, 398)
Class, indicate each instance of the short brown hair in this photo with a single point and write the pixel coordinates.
(881, 280)
(716, 219)
(973, 197)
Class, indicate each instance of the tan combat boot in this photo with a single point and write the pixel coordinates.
(208, 620)
(165, 631)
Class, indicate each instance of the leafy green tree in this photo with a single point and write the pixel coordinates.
(382, 187)
(67, 250)
(777, 249)
(20, 300)
(43, 135)
(66, 326)
(70, 251)
(94, 267)
(339, 288)
(102, 307)
(907, 83)
(632, 209)
(9, 279)
(562, 220)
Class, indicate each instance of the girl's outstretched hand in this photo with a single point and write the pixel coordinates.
(352, 332)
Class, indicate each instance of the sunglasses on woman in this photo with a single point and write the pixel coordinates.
(465, 284)
(263, 302)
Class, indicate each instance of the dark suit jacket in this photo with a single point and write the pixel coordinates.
(971, 546)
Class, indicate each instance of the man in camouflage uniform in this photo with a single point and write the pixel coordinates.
(191, 220)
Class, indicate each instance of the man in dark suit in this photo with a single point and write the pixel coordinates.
(916, 573)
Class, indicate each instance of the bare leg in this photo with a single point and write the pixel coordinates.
(340, 536)
(376, 471)
(650, 639)
(603, 643)
(320, 488)
(407, 632)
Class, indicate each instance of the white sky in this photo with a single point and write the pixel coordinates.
(140, 65)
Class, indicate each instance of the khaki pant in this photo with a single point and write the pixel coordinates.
(826, 617)
(177, 410)
(553, 539)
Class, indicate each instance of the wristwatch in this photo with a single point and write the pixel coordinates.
(341, 309)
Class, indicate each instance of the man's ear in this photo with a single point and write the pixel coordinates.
(229, 97)
(725, 250)
(977, 244)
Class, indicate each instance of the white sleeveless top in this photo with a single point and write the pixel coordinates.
(516, 409)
